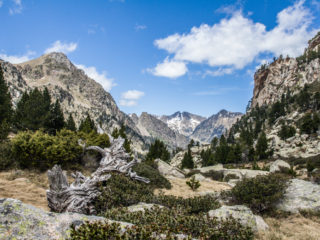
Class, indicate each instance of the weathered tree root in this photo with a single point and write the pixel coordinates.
(79, 196)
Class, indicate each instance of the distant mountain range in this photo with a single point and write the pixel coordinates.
(179, 128)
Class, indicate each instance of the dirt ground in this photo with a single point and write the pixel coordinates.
(26, 186)
(181, 189)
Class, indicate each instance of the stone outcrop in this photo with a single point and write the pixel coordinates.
(21, 221)
(271, 81)
(301, 195)
(241, 213)
(141, 207)
(167, 170)
(279, 166)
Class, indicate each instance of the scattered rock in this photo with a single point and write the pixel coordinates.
(199, 177)
(167, 170)
(300, 195)
(279, 166)
(241, 213)
(24, 221)
(142, 207)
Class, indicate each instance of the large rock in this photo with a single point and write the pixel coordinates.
(279, 166)
(167, 170)
(23, 221)
(141, 207)
(301, 195)
(241, 213)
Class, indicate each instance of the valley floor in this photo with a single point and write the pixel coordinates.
(30, 187)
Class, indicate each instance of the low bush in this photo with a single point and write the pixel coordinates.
(193, 183)
(214, 175)
(156, 179)
(6, 160)
(41, 151)
(260, 193)
(151, 223)
(121, 191)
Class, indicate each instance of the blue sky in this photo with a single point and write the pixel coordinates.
(162, 56)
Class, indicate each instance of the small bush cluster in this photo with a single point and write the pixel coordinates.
(286, 132)
(156, 179)
(152, 223)
(6, 160)
(193, 183)
(120, 191)
(40, 150)
(260, 193)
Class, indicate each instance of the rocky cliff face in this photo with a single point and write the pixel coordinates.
(215, 126)
(182, 122)
(284, 74)
(77, 93)
(153, 128)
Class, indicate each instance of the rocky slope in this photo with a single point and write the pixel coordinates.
(151, 128)
(215, 125)
(182, 122)
(77, 93)
(271, 81)
(289, 75)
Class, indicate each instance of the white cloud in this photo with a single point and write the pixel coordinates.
(1, 3)
(106, 82)
(130, 98)
(236, 41)
(15, 59)
(58, 46)
(17, 7)
(140, 27)
(169, 68)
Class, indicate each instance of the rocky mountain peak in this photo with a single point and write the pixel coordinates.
(314, 42)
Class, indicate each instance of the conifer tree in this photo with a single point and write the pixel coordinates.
(87, 125)
(187, 161)
(158, 150)
(5, 107)
(56, 118)
(262, 146)
(70, 124)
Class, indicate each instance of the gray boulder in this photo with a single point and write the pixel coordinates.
(241, 213)
(141, 207)
(279, 166)
(22, 221)
(167, 170)
(300, 195)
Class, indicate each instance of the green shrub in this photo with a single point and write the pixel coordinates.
(194, 205)
(260, 193)
(214, 175)
(156, 179)
(176, 221)
(202, 227)
(193, 183)
(286, 132)
(6, 160)
(41, 150)
(121, 191)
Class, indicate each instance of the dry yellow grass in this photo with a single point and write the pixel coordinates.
(25, 186)
(181, 189)
(295, 227)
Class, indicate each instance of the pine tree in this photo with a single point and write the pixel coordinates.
(70, 124)
(56, 118)
(158, 150)
(187, 161)
(87, 125)
(5, 100)
(33, 110)
(262, 146)
(5, 108)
